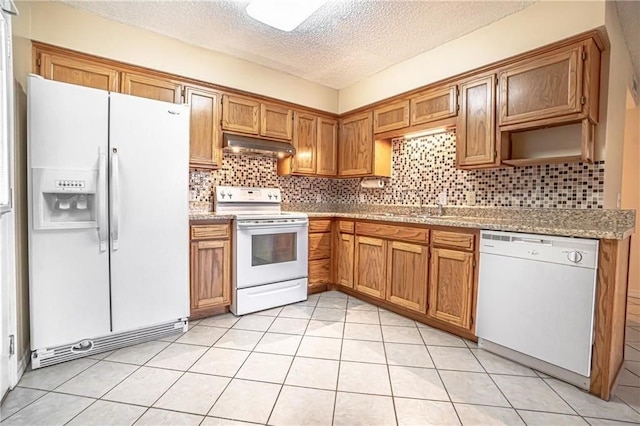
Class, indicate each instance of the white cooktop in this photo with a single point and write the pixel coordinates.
(250, 203)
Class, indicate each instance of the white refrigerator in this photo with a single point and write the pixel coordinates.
(108, 220)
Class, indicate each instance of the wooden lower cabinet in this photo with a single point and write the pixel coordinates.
(210, 276)
(344, 262)
(370, 266)
(319, 254)
(407, 266)
(451, 287)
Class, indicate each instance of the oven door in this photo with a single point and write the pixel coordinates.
(270, 251)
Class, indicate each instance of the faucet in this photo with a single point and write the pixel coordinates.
(404, 191)
(439, 208)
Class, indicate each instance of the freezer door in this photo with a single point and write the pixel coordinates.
(149, 202)
(69, 271)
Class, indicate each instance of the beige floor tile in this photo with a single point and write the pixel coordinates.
(332, 294)
(421, 383)
(137, 354)
(391, 318)
(590, 406)
(104, 413)
(332, 302)
(244, 340)
(363, 317)
(225, 320)
(531, 393)
(364, 378)
(103, 355)
(217, 421)
(170, 338)
(363, 332)
(311, 302)
(604, 422)
(630, 395)
(156, 417)
(627, 378)
(435, 337)
(481, 415)
(220, 361)
(459, 359)
(359, 410)
(289, 326)
(318, 407)
(634, 345)
(408, 355)
(632, 335)
(472, 388)
(50, 410)
(17, 399)
(144, 386)
(246, 401)
(325, 329)
(495, 364)
(295, 311)
(631, 353)
(329, 314)
(193, 393)
(399, 334)
(265, 367)
(254, 323)
(313, 373)
(277, 343)
(633, 366)
(357, 304)
(320, 347)
(177, 356)
(98, 379)
(537, 418)
(412, 412)
(363, 351)
(49, 378)
(273, 312)
(201, 335)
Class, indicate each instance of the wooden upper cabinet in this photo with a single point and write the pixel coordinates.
(476, 131)
(210, 275)
(276, 121)
(68, 69)
(327, 147)
(543, 87)
(344, 259)
(391, 117)
(240, 114)
(451, 287)
(149, 87)
(407, 266)
(436, 104)
(356, 145)
(370, 266)
(204, 131)
(305, 134)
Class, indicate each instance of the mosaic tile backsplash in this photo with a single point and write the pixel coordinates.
(425, 166)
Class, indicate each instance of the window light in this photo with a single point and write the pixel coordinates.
(285, 15)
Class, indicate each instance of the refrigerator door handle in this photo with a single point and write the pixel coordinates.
(102, 199)
(115, 199)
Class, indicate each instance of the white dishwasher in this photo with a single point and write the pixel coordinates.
(536, 297)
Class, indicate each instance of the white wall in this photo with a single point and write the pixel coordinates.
(61, 25)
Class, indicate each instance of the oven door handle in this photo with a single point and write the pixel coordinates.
(297, 224)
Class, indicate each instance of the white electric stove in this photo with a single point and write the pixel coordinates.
(269, 249)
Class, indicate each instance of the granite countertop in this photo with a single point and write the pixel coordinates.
(203, 215)
(583, 223)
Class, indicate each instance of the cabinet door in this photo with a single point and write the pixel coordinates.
(277, 121)
(305, 132)
(370, 266)
(327, 147)
(391, 117)
(210, 275)
(544, 87)
(434, 105)
(476, 136)
(319, 272)
(240, 115)
(77, 71)
(407, 266)
(150, 87)
(355, 155)
(344, 263)
(204, 130)
(451, 287)
(320, 246)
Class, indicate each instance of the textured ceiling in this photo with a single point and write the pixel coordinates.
(629, 15)
(343, 42)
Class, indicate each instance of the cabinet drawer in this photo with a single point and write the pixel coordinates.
(320, 271)
(346, 227)
(320, 246)
(323, 225)
(209, 232)
(417, 235)
(453, 239)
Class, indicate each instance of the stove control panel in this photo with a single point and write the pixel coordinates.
(236, 194)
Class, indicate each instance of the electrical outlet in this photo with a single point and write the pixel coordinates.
(619, 201)
(442, 198)
(318, 198)
(470, 198)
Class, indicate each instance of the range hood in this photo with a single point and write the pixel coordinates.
(254, 146)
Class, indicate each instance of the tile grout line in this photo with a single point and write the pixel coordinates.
(384, 349)
(335, 396)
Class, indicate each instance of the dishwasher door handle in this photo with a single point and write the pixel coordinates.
(530, 240)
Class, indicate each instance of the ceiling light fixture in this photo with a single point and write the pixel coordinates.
(284, 15)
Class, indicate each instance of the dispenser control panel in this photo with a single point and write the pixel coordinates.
(70, 184)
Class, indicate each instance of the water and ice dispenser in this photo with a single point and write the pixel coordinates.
(64, 199)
